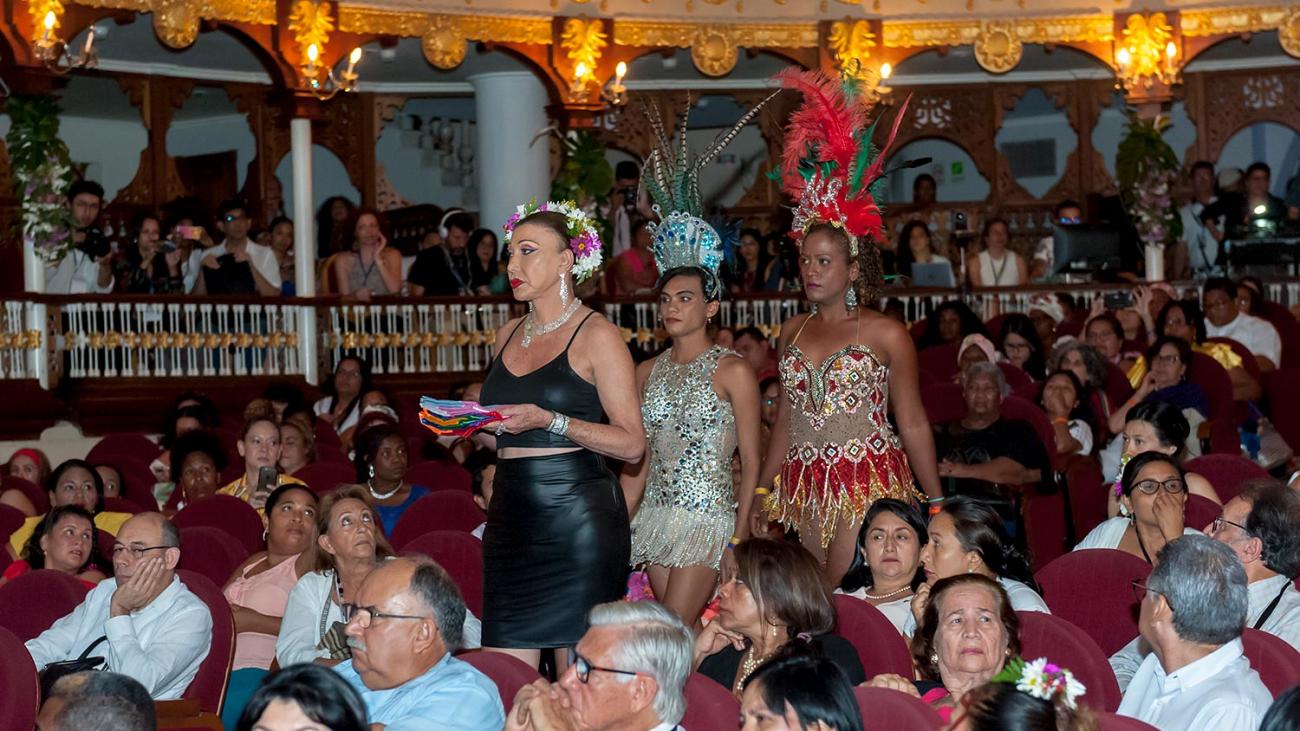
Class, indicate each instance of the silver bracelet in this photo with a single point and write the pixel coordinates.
(559, 425)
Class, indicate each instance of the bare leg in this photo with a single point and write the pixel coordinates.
(810, 535)
(844, 545)
(688, 591)
(658, 576)
(531, 658)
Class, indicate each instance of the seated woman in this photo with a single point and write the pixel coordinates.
(798, 689)
(259, 590)
(190, 411)
(1165, 381)
(297, 443)
(341, 405)
(1183, 319)
(1018, 341)
(1090, 370)
(967, 536)
(967, 633)
(1026, 697)
(111, 478)
(776, 595)
(381, 463)
(915, 246)
(887, 569)
(1156, 426)
(1153, 497)
(1104, 332)
(949, 324)
(974, 349)
(259, 445)
(304, 697)
(198, 458)
(73, 482)
(65, 542)
(1070, 416)
(31, 465)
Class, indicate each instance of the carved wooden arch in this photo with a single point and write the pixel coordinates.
(1082, 110)
(157, 178)
(962, 115)
(258, 40)
(1224, 103)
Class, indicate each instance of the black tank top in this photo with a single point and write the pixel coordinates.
(554, 387)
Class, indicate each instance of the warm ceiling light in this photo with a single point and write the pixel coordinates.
(1124, 57)
(313, 53)
(355, 57)
(1171, 50)
(621, 69)
(886, 70)
(51, 20)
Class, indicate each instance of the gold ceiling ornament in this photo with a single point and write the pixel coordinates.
(41, 12)
(443, 43)
(604, 4)
(685, 35)
(714, 50)
(997, 47)
(582, 41)
(1289, 32)
(1063, 29)
(256, 12)
(1233, 20)
(311, 25)
(500, 28)
(1146, 53)
(176, 22)
(850, 42)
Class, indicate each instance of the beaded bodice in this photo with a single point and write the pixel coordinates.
(826, 399)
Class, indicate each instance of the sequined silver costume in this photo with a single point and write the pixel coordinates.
(689, 510)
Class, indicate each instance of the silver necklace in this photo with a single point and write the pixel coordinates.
(894, 593)
(531, 329)
(382, 495)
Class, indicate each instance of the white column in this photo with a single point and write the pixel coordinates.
(304, 244)
(34, 281)
(1155, 263)
(510, 110)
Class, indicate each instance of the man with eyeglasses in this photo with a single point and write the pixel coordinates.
(1067, 213)
(628, 672)
(144, 622)
(403, 626)
(1193, 606)
(1223, 319)
(238, 265)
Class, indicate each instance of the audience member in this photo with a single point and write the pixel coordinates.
(1156, 426)
(1193, 609)
(1250, 295)
(297, 443)
(1026, 697)
(949, 324)
(754, 348)
(110, 478)
(486, 274)
(634, 271)
(1249, 213)
(752, 269)
(403, 625)
(1153, 499)
(150, 625)
(97, 701)
(1018, 341)
(1182, 319)
(381, 461)
(1067, 213)
(198, 459)
(304, 697)
(332, 232)
(64, 541)
(1203, 250)
(628, 203)
(967, 632)
(259, 590)
(341, 405)
(974, 349)
(87, 268)
(1089, 369)
(238, 265)
(887, 568)
(27, 464)
(997, 265)
(371, 268)
(776, 595)
(482, 466)
(801, 690)
(1224, 320)
(1166, 382)
(446, 270)
(73, 482)
(191, 410)
(150, 265)
(1061, 399)
(259, 445)
(627, 673)
(1105, 333)
(286, 399)
(982, 449)
(915, 246)
(281, 243)
(1284, 714)
(1046, 312)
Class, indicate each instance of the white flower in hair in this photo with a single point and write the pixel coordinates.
(584, 241)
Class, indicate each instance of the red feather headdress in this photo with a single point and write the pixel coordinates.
(829, 164)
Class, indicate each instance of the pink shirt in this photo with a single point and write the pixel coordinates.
(268, 593)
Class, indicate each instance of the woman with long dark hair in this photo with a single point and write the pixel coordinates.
(797, 690)
(332, 234)
(64, 541)
(485, 274)
(887, 569)
(341, 405)
(148, 267)
(949, 324)
(1019, 342)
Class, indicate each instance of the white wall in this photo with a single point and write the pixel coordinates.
(207, 135)
(723, 181)
(110, 148)
(953, 170)
(1269, 142)
(329, 178)
(415, 171)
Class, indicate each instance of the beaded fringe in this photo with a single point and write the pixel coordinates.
(677, 537)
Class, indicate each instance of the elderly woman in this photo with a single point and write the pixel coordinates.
(888, 566)
(967, 633)
(31, 465)
(65, 542)
(73, 482)
(259, 590)
(1165, 381)
(799, 690)
(982, 450)
(1062, 400)
(975, 348)
(297, 443)
(381, 463)
(259, 445)
(968, 537)
(1089, 368)
(1154, 495)
(1183, 319)
(1156, 426)
(1105, 333)
(777, 595)
(198, 457)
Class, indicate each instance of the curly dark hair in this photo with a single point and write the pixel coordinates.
(871, 271)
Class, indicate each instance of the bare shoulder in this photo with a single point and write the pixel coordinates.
(792, 326)
(391, 254)
(503, 333)
(599, 331)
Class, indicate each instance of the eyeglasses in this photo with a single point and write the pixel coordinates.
(1070, 220)
(1168, 359)
(136, 551)
(1173, 485)
(582, 667)
(232, 217)
(1219, 522)
(366, 615)
(1141, 590)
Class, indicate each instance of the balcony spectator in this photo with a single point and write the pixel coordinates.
(444, 271)
(627, 205)
(487, 276)
(64, 541)
(371, 268)
(304, 697)
(281, 244)
(1225, 320)
(31, 465)
(87, 268)
(753, 347)
(634, 270)
(192, 239)
(916, 246)
(97, 700)
(949, 324)
(74, 482)
(997, 265)
(238, 265)
(753, 269)
(1204, 252)
(332, 232)
(1067, 213)
(150, 265)
(1254, 212)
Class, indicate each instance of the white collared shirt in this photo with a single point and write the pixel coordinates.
(75, 273)
(1220, 691)
(261, 257)
(1202, 249)
(1284, 621)
(161, 645)
(1258, 335)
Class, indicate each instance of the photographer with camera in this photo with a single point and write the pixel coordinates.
(238, 265)
(87, 268)
(625, 206)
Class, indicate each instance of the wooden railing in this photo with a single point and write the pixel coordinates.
(49, 337)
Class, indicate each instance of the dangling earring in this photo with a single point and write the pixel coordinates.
(564, 291)
(851, 297)
(934, 658)
(372, 472)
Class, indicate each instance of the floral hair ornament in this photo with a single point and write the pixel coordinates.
(584, 241)
(829, 164)
(1043, 680)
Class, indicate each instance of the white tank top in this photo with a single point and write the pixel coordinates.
(1006, 266)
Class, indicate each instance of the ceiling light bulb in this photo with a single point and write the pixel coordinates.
(51, 20)
(1171, 50)
(313, 53)
(355, 56)
(580, 71)
(1123, 57)
(886, 70)
(621, 70)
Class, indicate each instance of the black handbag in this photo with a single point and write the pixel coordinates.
(55, 670)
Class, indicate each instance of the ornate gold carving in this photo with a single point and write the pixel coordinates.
(1288, 32)
(714, 50)
(1234, 20)
(502, 28)
(1145, 37)
(311, 24)
(685, 35)
(582, 41)
(997, 48)
(443, 43)
(256, 12)
(851, 43)
(1064, 29)
(176, 22)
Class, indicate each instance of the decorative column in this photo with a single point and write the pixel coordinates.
(304, 244)
(513, 163)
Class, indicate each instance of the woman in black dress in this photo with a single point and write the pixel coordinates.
(557, 540)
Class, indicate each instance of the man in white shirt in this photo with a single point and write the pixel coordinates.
(233, 220)
(1202, 246)
(87, 268)
(1192, 612)
(628, 672)
(1224, 320)
(146, 623)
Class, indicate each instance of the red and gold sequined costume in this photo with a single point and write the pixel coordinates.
(843, 453)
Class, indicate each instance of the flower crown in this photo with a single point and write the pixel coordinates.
(1042, 680)
(583, 239)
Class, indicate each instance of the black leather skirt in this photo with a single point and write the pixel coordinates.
(557, 543)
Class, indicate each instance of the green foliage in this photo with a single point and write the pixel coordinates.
(1147, 171)
(586, 175)
(1142, 148)
(43, 171)
(34, 133)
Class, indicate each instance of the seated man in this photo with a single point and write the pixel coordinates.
(982, 448)
(94, 700)
(1262, 526)
(1196, 677)
(406, 622)
(144, 621)
(628, 672)
(1067, 213)
(1223, 319)
(753, 347)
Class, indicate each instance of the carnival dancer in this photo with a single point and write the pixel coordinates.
(699, 401)
(844, 366)
(557, 539)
